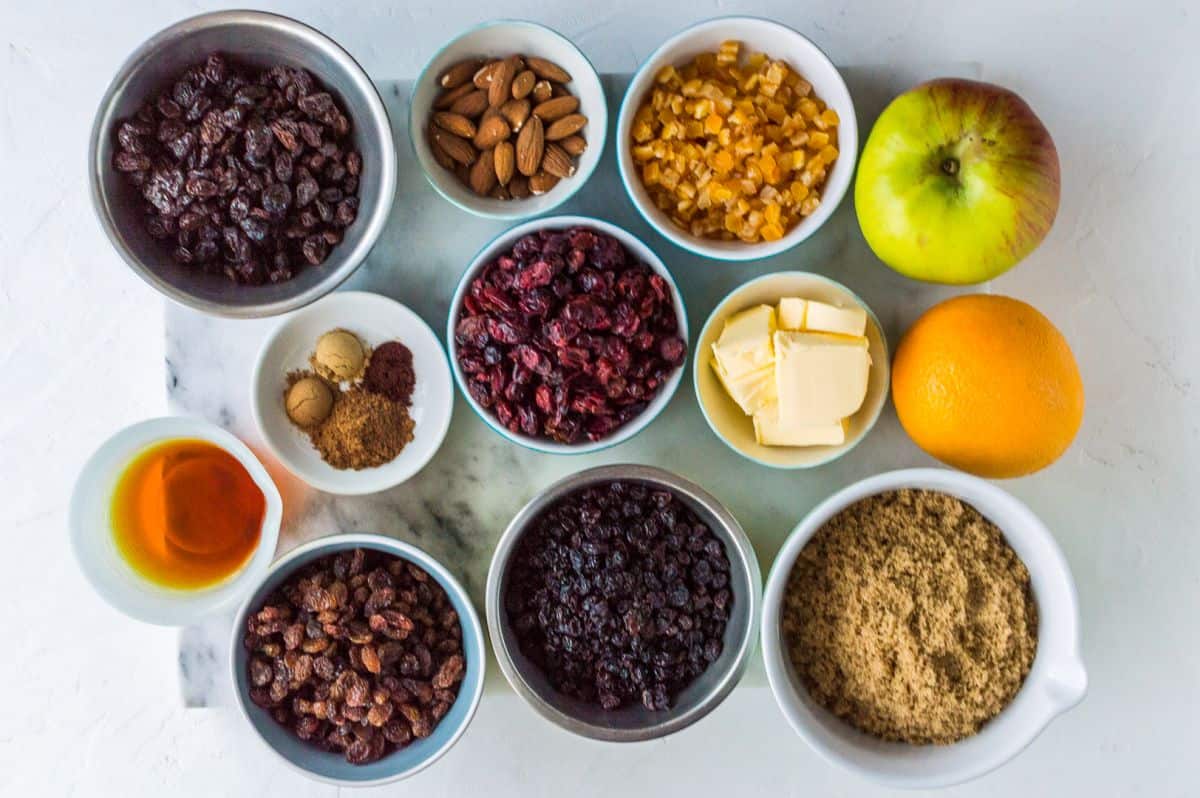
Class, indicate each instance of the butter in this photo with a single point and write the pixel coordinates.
(828, 318)
(791, 313)
(752, 390)
(771, 430)
(745, 342)
(820, 378)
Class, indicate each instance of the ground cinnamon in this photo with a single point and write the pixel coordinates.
(909, 616)
(364, 430)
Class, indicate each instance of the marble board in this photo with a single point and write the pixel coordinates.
(458, 506)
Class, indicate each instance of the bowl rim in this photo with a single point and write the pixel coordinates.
(1065, 693)
(698, 363)
(731, 533)
(762, 249)
(570, 186)
(340, 542)
(166, 428)
(366, 486)
(105, 117)
(511, 235)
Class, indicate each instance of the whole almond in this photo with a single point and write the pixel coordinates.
(500, 193)
(471, 104)
(457, 124)
(460, 73)
(557, 162)
(531, 143)
(500, 89)
(518, 187)
(566, 126)
(516, 112)
(458, 149)
(463, 173)
(505, 160)
(483, 76)
(451, 96)
(542, 91)
(523, 84)
(542, 182)
(548, 70)
(440, 155)
(556, 108)
(483, 174)
(492, 131)
(574, 145)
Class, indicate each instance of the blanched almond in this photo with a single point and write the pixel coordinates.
(567, 126)
(460, 73)
(505, 161)
(457, 124)
(548, 70)
(574, 145)
(470, 105)
(530, 146)
(516, 112)
(492, 131)
(556, 108)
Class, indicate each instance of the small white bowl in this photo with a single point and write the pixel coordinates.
(779, 42)
(90, 523)
(1056, 682)
(496, 39)
(505, 242)
(734, 427)
(375, 319)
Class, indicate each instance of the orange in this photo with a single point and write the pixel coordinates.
(988, 385)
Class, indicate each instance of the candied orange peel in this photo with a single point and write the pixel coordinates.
(734, 145)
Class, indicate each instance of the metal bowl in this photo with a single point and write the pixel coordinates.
(257, 39)
(633, 723)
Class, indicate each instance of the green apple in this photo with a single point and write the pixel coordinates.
(958, 182)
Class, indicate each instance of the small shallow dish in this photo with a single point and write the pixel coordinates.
(502, 38)
(375, 319)
(633, 723)
(502, 244)
(331, 767)
(1057, 681)
(779, 42)
(258, 39)
(734, 427)
(90, 524)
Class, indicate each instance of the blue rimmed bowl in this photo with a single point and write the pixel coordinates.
(332, 767)
(498, 39)
(735, 428)
(502, 244)
(779, 42)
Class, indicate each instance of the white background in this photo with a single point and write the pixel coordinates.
(88, 700)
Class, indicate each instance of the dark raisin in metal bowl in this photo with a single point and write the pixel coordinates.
(287, 104)
(622, 602)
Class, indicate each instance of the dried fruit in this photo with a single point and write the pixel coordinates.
(380, 683)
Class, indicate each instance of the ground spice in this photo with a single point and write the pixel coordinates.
(910, 617)
(364, 430)
(390, 372)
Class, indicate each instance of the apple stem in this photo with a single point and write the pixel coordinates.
(950, 166)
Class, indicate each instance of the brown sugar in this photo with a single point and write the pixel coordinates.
(910, 617)
(364, 430)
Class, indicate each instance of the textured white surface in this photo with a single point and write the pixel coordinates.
(90, 706)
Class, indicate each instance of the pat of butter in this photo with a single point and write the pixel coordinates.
(820, 378)
(752, 390)
(821, 317)
(771, 430)
(745, 342)
(791, 313)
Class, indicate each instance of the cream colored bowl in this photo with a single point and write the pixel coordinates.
(733, 426)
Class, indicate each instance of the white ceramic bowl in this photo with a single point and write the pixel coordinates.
(331, 767)
(505, 242)
(501, 38)
(779, 42)
(90, 524)
(1056, 682)
(734, 427)
(375, 319)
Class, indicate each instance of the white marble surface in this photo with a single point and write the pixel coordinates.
(94, 708)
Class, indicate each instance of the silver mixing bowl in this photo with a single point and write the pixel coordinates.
(632, 723)
(257, 39)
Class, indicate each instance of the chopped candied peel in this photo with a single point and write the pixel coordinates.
(734, 146)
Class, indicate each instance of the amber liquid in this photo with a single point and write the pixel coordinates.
(186, 514)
